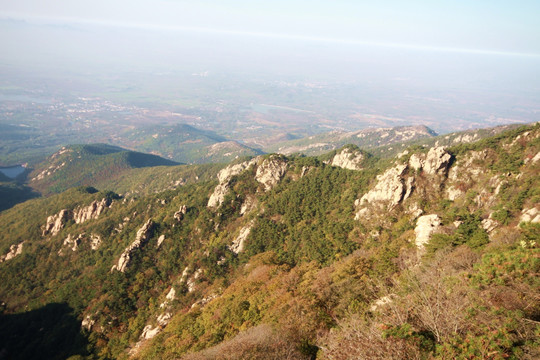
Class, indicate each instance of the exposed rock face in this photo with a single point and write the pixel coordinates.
(270, 172)
(73, 242)
(395, 186)
(415, 210)
(224, 176)
(249, 204)
(348, 159)
(95, 241)
(468, 167)
(91, 211)
(389, 188)
(217, 197)
(191, 281)
(149, 332)
(466, 138)
(54, 167)
(55, 223)
(160, 240)
(14, 250)
(536, 158)
(452, 193)
(164, 318)
(238, 244)
(489, 224)
(202, 302)
(382, 302)
(171, 295)
(530, 215)
(179, 215)
(88, 322)
(425, 226)
(143, 234)
(435, 162)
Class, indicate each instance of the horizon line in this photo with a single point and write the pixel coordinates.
(54, 21)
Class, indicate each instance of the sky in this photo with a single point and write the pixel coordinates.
(486, 26)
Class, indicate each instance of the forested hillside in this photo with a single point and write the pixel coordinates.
(431, 254)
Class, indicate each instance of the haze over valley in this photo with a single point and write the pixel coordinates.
(81, 82)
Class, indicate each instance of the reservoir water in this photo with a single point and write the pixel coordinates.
(12, 171)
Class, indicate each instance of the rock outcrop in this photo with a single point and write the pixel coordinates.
(530, 215)
(238, 244)
(205, 300)
(171, 295)
(72, 242)
(348, 159)
(250, 203)
(489, 224)
(92, 211)
(396, 184)
(55, 223)
(95, 241)
(469, 167)
(435, 162)
(143, 235)
(425, 226)
(149, 332)
(191, 282)
(88, 322)
(389, 189)
(270, 171)
(179, 215)
(224, 177)
(160, 240)
(14, 250)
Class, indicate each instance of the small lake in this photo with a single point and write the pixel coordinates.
(12, 171)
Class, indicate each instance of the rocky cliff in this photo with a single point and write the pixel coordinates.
(269, 171)
(397, 183)
(143, 235)
(81, 214)
(348, 159)
(14, 250)
(91, 211)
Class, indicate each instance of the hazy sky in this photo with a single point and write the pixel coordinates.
(478, 25)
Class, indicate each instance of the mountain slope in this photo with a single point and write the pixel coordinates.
(76, 165)
(184, 143)
(430, 255)
(452, 139)
(366, 139)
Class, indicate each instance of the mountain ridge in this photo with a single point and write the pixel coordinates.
(335, 257)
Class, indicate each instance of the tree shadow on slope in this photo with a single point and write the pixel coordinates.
(50, 332)
(12, 194)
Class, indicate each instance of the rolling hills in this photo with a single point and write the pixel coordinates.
(77, 165)
(365, 139)
(185, 143)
